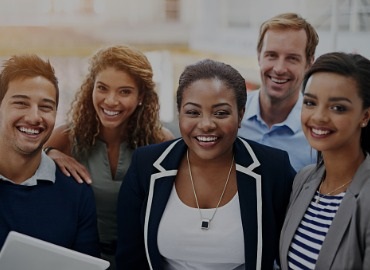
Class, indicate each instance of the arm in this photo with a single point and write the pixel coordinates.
(167, 134)
(61, 153)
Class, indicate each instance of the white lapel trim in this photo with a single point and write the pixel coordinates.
(163, 173)
(249, 170)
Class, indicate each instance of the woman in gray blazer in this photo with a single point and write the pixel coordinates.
(327, 225)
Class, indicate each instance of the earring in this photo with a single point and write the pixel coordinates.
(140, 103)
(364, 124)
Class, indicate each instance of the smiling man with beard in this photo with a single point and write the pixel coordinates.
(285, 49)
(36, 198)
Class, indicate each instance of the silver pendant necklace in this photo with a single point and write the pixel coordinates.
(205, 222)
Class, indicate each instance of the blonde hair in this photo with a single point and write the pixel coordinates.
(143, 126)
(295, 22)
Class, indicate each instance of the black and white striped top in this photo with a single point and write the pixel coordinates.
(310, 235)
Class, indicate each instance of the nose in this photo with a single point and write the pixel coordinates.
(280, 66)
(207, 123)
(33, 115)
(320, 115)
(111, 99)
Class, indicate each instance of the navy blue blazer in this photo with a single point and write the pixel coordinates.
(264, 180)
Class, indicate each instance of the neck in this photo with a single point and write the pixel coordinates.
(274, 111)
(341, 168)
(18, 167)
(112, 136)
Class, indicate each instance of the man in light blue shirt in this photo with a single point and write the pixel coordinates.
(285, 49)
(287, 135)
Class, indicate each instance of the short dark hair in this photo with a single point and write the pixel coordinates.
(209, 69)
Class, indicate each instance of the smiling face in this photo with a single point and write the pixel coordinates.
(332, 113)
(27, 115)
(115, 97)
(209, 119)
(282, 62)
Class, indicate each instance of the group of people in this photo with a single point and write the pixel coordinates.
(276, 177)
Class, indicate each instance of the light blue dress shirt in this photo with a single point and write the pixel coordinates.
(287, 135)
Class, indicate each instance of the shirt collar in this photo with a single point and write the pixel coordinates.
(45, 171)
(293, 121)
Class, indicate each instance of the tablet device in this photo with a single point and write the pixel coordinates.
(21, 251)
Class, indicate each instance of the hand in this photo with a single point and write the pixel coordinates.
(70, 166)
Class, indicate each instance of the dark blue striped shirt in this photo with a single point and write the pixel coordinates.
(310, 235)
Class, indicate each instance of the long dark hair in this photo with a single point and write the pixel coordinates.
(350, 65)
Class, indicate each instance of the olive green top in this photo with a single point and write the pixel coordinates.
(105, 188)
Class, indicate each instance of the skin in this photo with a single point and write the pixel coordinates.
(209, 122)
(27, 118)
(115, 98)
(282, 61)
(332, 118)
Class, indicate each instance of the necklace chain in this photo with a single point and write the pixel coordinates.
(206, 222)
(329, 193)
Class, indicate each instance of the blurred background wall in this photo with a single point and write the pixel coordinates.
(172, 33)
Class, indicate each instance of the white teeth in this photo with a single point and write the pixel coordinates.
(278, 81)
(110, 113)
(206, 139)
(29, 130)
(320, 132)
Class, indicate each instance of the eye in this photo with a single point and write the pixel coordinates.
(293, 58)
(47, 108)
(308, 103)
(270, 55)
(20, 104)
(192, 113)
(101, 87)
(125, 91)
(338, 108)
(221, 113)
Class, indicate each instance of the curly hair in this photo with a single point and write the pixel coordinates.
(143, 127)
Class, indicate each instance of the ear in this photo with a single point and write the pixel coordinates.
(365, 118)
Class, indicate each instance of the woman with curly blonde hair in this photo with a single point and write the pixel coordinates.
(115, 111)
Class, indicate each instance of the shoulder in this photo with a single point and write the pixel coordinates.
(167, 134)
(70, 185)
(169, 151)
(60, 139)
(264, 151)
(155, 149)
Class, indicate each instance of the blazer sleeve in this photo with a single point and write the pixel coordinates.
(131, 202)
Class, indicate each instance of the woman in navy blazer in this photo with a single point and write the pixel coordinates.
(156, 230)
(327, 225)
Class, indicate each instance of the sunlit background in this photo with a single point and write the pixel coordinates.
(172, 33)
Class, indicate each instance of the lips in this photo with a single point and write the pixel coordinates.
(110, 112)
(29, 131)
(279, 81)
(206, 138)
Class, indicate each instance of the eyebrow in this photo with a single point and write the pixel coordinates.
(213, 106)
(48, 100)
(332, 99)
(123, 86)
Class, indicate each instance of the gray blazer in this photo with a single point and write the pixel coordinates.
(347, 244)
